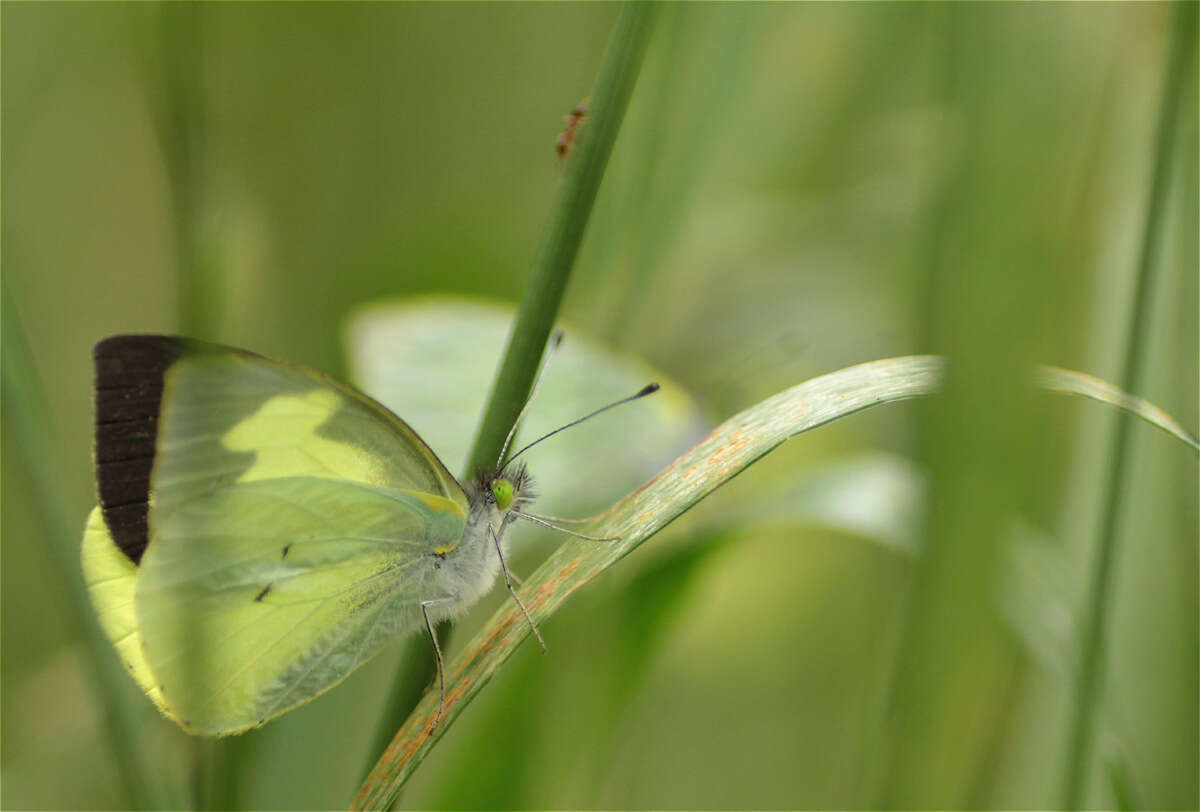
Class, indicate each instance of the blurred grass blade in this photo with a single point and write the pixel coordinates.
(1120, 781)
(1070, 382)
(183, 136)
(29, 415)
(728, 450)
(1180, 57)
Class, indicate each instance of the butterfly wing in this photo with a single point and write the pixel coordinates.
(110, 577)
(254, 599)
(281, 525)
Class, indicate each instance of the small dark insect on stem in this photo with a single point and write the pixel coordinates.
(566, 138)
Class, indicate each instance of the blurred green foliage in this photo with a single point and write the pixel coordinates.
(796, 188)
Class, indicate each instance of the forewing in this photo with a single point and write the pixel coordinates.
(257, 597)
(263, 526)
(177, 418)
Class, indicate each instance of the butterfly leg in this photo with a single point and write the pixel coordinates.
(562, 520)
(539, 520)
(513, 592)
(441, 670)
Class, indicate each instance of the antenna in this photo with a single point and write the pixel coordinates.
(649, 389)
(555, 339)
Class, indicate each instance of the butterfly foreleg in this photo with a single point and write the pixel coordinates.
(511, 590)
(437, 655)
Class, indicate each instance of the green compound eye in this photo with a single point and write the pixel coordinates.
(502, 489)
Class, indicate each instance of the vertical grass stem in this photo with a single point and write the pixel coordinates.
(1089, 678)
(564, 233)
(542, 297)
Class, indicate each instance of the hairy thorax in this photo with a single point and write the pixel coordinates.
(461, 576)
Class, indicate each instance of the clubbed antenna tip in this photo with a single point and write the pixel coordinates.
(646, 390)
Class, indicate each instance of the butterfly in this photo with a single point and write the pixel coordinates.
(264, 529)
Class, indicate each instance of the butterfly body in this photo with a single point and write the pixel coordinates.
(263, 530)
(462, 575)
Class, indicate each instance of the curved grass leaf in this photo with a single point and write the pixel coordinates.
(1070, 382)
(728, 450)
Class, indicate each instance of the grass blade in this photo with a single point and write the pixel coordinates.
(546, 287)
(1070, 382)
(564, 234)
(30, 418)
(728, 450)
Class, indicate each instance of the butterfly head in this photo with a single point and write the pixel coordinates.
(509, 489)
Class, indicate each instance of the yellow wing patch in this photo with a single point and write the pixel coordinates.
(282, 435)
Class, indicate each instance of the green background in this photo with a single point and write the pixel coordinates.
(796, 188)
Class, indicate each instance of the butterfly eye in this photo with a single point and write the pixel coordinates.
(502, 489)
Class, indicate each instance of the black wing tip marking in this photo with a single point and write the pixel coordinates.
(129, 372)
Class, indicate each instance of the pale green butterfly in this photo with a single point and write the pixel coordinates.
(263, 529)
